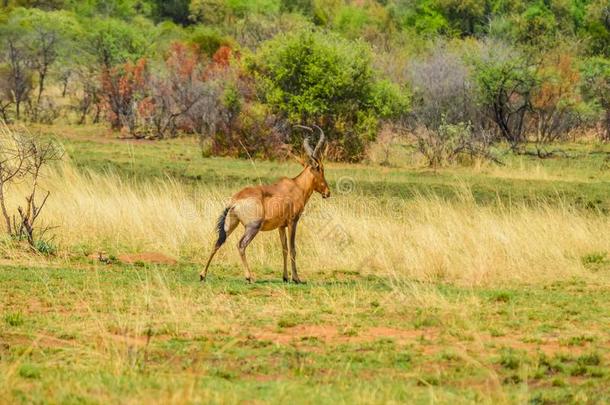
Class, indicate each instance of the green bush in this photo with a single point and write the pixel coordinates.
(504, 83)
(318, 77)
(208, 40)
(595, 86)
(112, 42)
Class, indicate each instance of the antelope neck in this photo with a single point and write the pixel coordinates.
(305, 182)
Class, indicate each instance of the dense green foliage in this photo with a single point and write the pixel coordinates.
(313, 77)
(350, 66)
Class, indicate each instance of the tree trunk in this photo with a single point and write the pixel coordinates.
(41, 76)
(7, 218)
(607, 135)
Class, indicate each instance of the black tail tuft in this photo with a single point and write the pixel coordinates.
(222, 235)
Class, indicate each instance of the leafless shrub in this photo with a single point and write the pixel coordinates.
(179, 100)
(88, 99)
(449, 142)
(44, 111)
(23, 158)
(380, 151)
(6, 97)
(16, 75)
(443, 90)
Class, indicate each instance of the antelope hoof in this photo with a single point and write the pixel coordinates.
(202, 278)
(286, 280)
(297, 281)
(249, 280)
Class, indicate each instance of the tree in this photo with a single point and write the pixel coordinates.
(175, 91)
(465, 16)
(423, 15)
(315, 77)
(443, 90)
(536, 26)
(596, 86)
(123, 87)
(46, 38)
(17, 75)
(555, 100)
(120, 9)
(597, 27)
(505, 81)
(113, 42)
(176, 10)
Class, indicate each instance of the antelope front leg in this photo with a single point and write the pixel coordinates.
(293, 252)
(284, 252)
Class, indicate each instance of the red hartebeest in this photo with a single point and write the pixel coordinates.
(275, 206)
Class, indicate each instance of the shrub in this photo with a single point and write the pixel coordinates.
(316, 77)
(123, 86)
(504, 82)
(448, 142)
(208, 40)
(113, 42)
(556, 100)
(595, 86)
(443, 90)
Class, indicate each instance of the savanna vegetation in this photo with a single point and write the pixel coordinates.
(463, 256)
(452, 77)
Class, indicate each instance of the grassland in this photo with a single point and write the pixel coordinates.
(476, 284)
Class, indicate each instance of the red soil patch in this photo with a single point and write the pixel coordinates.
(549, 345)
(266, 378)
(39, 340)
(330, 334)
(127, 340)
(147, 257)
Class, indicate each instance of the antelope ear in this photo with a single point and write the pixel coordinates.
(300, 160)
(297, 158)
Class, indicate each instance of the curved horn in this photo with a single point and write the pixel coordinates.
(320, 143)
(308, 149)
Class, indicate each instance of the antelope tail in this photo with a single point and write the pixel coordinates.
(220, 226)
(222, 237)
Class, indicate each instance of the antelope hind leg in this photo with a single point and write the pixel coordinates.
(230, 223)
(251, 231)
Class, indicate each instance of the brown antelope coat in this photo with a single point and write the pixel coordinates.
(275, 206)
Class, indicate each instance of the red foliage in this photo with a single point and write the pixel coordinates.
(182, 60)
(222, 57)
(121, 86)
(560, 84)
(146, 107)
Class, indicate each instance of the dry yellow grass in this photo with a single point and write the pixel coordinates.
(426, 238)
(130, 334)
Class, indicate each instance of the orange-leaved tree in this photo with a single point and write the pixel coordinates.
(123, 87)
(555, 100)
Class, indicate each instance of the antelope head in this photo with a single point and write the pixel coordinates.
(314, 161)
